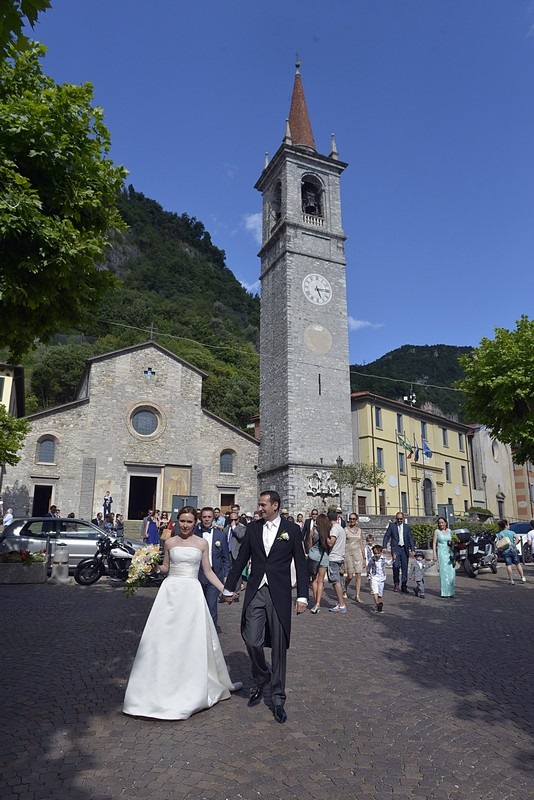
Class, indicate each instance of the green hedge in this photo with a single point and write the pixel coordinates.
(422, 534)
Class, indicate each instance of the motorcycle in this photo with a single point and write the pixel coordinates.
(475, 551)
(113, 558)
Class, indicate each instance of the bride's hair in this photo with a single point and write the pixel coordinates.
(188, 510)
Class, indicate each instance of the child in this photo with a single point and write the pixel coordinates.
(376, 571)
(417, 573)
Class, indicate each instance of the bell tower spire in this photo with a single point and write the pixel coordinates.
(299, 120)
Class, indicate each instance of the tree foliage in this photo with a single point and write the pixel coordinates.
(14, 14)
(499, 387)
(12, 433)
(424, 367)
(56, 372)
(58, 192)
(359, 476)
(175, 287)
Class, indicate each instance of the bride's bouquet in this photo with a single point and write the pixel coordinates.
(143, 562)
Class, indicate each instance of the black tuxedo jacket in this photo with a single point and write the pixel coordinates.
(277, 567)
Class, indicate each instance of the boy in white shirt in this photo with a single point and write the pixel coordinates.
(376, 572)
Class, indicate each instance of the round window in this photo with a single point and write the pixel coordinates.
(144, 422)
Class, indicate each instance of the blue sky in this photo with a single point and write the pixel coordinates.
(432, 105)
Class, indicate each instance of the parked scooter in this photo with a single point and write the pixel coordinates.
(475, 551)
(113, 558)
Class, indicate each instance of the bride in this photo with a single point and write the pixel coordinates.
(179, 668)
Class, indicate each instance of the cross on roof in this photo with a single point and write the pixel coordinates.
(150, 373)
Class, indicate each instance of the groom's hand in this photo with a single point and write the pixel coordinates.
(300, 608)
(229, 598)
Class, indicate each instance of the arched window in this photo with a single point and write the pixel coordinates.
(47, 451)
(226, 461)
(312, 196)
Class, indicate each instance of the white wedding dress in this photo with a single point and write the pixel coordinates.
(179, 668)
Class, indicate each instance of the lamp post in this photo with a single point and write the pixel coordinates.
(484, 479)
(339, 462)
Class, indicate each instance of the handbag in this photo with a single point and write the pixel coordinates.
(503, 544)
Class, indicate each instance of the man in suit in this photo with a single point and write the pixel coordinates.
(270, 543)
(234, 533)
(308, 526)
(218, 555)
(402, 545)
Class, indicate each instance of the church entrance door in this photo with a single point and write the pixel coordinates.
(42, 497)
(142, 496)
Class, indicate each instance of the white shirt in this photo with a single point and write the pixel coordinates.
(269, 533)
(208, 537)
(8, 519)
(401, 534)
(337, 553)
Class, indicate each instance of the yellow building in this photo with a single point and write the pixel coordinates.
(12, 389)
(426, 458)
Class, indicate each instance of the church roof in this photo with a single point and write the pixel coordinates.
(299, 121)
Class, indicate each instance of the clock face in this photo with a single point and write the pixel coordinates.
(317, 289)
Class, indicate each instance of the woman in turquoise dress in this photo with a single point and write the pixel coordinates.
(441, 547)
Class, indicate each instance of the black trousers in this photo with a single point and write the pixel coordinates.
(261, 613)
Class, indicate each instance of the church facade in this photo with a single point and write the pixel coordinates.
(138, 430)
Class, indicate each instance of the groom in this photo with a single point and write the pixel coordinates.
(270, 544)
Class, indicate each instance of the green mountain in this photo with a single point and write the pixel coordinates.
(172, 285)
(419, 369)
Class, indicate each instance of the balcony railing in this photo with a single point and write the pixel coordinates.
(311, 219)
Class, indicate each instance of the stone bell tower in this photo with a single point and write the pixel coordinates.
(305, 414)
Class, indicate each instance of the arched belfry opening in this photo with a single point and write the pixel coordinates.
(312, 196)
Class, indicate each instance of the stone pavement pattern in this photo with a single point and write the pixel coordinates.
(410, 705)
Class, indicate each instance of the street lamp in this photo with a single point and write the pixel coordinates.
(339, 462)
(484, 479)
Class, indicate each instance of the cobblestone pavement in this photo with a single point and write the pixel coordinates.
(431, 700)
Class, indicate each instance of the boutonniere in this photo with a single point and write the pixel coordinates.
(217, 544)
(284, 537)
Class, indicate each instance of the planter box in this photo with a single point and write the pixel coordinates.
(23, 573)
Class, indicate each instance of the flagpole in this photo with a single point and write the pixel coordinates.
(408, 484)
(398, 473)
(417, 487)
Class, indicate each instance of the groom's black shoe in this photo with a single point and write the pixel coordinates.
(280, 714)
(256, 693)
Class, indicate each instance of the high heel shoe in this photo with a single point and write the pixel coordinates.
(314, 610)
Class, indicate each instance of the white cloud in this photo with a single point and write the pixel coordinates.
(252, 223)
(253, 288)
(231, 171)
(358, 324)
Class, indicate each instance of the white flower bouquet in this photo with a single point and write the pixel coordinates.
(143, 562)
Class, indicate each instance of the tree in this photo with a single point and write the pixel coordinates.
(58, 193)
(57, 371)
(12, 433)
(359, 476)
(13, 16)
(499, 387)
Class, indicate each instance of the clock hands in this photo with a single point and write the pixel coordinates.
(318, 292)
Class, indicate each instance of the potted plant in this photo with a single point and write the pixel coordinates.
(21, 566)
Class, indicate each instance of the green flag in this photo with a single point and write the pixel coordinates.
(404, 443)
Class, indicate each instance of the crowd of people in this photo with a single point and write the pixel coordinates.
(209, 558)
